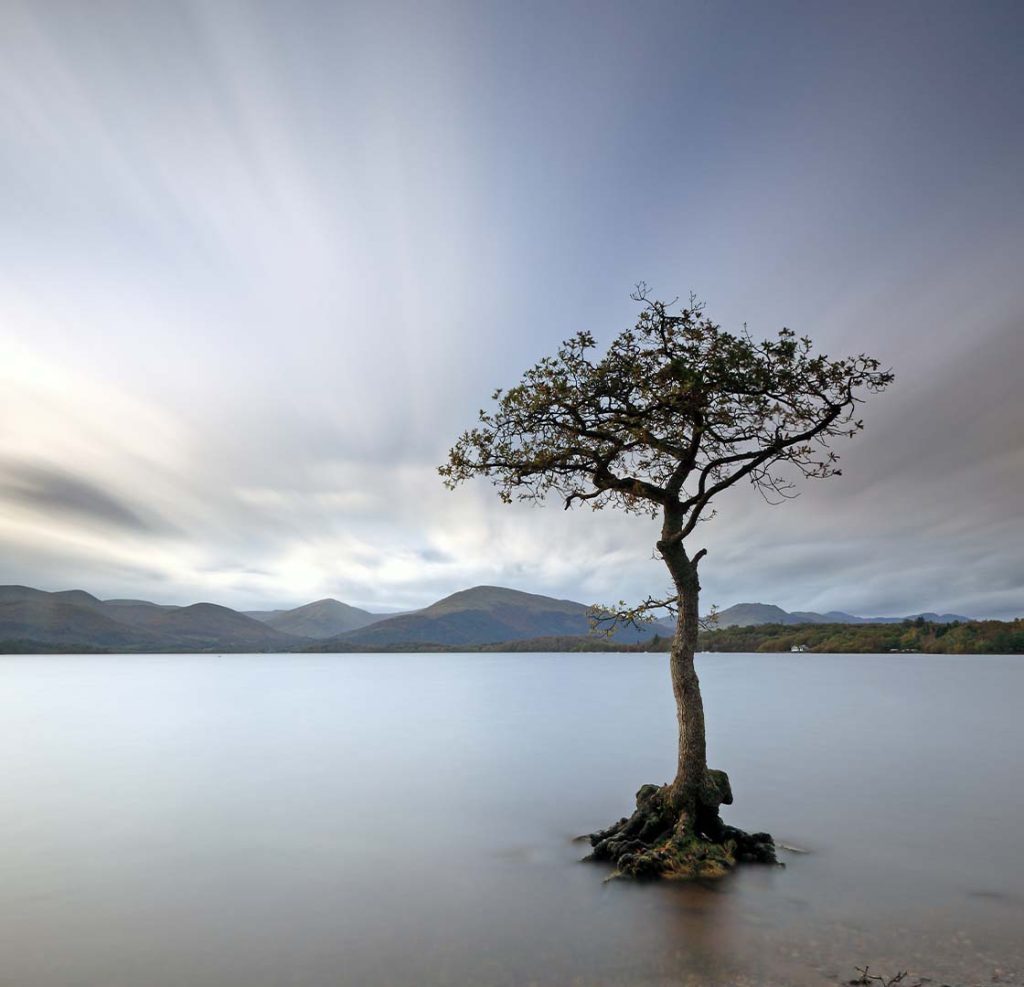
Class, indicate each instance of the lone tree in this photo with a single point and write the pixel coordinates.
(674, 413)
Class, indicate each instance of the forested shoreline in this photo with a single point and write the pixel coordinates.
(974, 637)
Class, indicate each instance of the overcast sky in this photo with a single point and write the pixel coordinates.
(261, 264)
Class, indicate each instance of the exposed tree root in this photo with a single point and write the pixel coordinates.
(685, 842)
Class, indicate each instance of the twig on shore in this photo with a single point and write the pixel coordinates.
(875, 978)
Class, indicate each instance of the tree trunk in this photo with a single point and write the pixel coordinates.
(692, 765)
(676, 830)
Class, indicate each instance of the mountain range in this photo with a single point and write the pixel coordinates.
(754, 614)
(32, 620)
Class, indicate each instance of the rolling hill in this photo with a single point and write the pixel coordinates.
(319, 620)
(50, 620)
(34, 619)
(485, 615)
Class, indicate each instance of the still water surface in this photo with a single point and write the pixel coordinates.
(308, 820)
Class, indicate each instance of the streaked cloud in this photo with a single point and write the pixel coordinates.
(56, 493)
(263, 262)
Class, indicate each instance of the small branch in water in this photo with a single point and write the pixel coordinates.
(875, 978)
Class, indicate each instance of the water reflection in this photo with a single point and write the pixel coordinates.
(389, 819)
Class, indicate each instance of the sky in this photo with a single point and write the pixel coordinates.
(263, 262)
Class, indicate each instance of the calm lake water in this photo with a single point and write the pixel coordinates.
(307, 820)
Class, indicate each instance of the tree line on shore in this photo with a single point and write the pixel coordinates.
(974, 637)
(977, 637)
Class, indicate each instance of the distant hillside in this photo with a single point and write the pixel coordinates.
(756, 614)
(52, 621)
(485, 615)
(207, 626)
(752, 614)
(322, 619)
(31, 619)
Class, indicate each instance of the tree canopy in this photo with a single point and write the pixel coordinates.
(675, 411)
